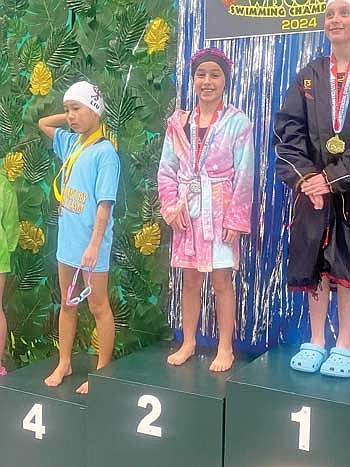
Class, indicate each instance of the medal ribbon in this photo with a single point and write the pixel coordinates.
(71, 159)
(201, 149)
(339, 98)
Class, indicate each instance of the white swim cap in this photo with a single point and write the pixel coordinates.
(329, 2)
(86, 93)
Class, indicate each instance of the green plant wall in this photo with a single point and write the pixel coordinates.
(128, 48)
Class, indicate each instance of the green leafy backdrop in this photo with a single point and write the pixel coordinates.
(102, 41)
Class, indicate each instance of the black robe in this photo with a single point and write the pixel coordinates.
(319, 239)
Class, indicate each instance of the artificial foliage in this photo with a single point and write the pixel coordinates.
(126, 47)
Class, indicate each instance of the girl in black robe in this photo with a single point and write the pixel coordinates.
(312, 141)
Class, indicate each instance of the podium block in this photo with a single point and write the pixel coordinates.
(278, 417)
(41, 426)
(144, 412)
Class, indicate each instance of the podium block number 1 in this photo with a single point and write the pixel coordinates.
(303, 417)
(145, 426)
(33, 421)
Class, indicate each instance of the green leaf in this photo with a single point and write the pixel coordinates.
(126, 255)
(61, 47)
(13, 7)
(131, 25)
(40, 106)
(50, 211)
(93, 40)
(79, 6)
(44, 16)
(156, 100)
(5, 75)
(63, 77)
(151, 208)
(30, 53)
(28, 270)
(29, 198)
(16, 29)
(30, 314)
(121, 105)
(10, 117)
(118, 59)
(36, 162)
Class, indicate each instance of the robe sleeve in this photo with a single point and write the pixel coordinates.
(337, 173)
(293, 165)
(237, 216)
(170, 202)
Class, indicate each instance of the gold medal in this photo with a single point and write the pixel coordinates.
(335, 145)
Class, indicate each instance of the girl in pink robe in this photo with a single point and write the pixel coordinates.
(205, 183)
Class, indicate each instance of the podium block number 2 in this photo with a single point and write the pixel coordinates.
(33, 421)
(145, 426)
(303, 417)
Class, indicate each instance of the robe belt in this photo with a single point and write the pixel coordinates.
(201, 184)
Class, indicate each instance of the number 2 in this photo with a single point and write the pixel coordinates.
(145, 426)
(303, 417)
(36, 426)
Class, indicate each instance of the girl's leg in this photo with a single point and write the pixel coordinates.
(3, 324)
(192, 283)
(67, 327)
(100, 308)
(344, 317)
(226, 313)
(318, 307)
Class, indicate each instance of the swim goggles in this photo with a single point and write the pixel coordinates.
(84, 294)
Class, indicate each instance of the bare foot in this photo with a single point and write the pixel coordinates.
(182, 355)
(223, 361)
(56, 378)
(83, 389)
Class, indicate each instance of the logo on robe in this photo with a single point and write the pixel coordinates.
(307, 84)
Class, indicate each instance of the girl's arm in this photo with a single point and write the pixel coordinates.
(90, 255)
(49, 124)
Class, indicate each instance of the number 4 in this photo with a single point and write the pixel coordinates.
(303, 417)
(33, 421)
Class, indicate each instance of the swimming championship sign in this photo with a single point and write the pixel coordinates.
(226, 19)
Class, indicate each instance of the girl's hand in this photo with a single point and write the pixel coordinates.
(230, 236)
(315, 185)
(179, 224)
(317, 201)
(89, 258)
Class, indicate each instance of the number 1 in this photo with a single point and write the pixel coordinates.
(303, 417)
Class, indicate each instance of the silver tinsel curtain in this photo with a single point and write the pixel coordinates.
(262, 71)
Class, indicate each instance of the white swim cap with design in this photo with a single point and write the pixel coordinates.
(87, 94)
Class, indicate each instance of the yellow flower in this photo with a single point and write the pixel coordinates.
(31, 237)
(94, 341)
(107, 133)
(157, 35)
(13, 165)
(41, 79)
(148, 239)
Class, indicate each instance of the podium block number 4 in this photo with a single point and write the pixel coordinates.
(303, 417)
(33, 421)
(145, 426)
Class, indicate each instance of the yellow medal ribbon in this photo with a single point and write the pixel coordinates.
(71, 159)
